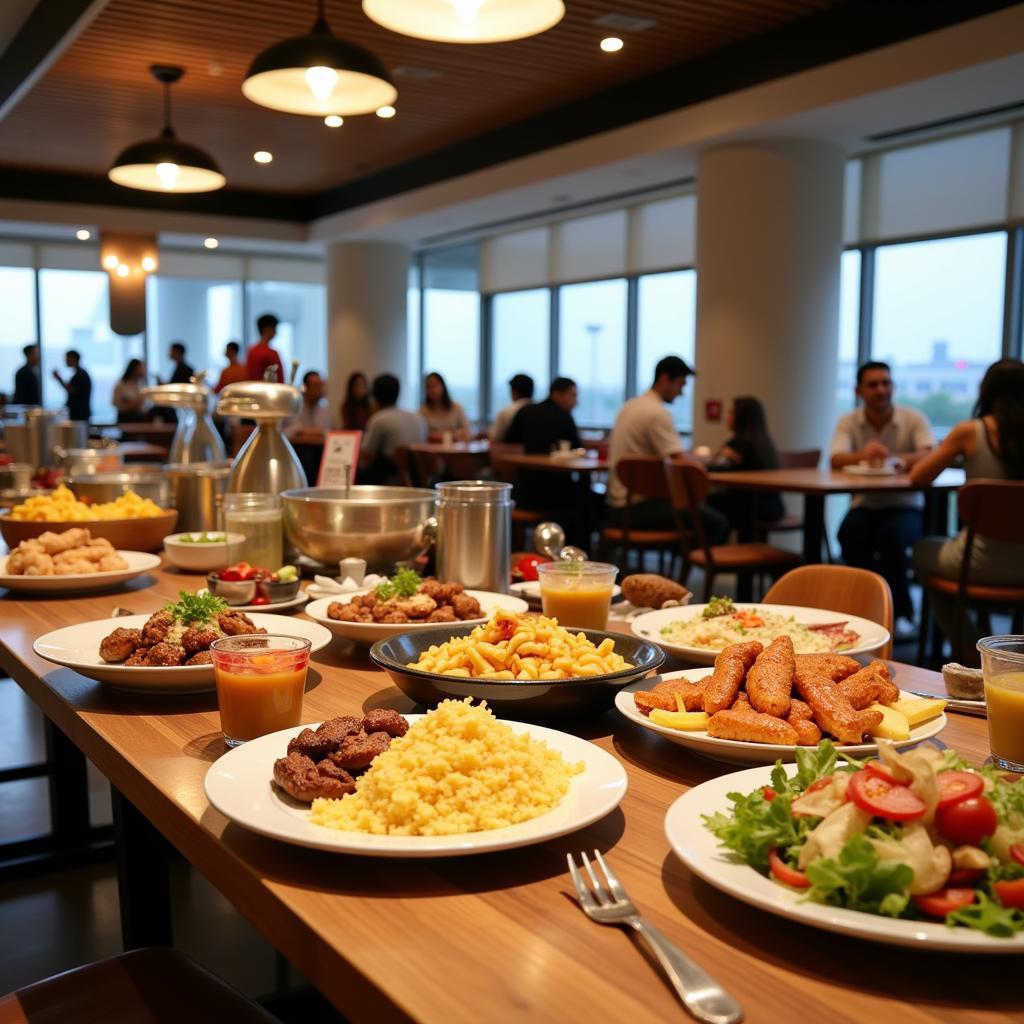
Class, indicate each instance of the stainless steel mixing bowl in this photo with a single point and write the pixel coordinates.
(384, 525)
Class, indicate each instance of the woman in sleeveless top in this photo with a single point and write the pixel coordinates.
(992, 448)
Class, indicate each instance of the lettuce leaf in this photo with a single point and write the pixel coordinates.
(757, 824)
(858, 880)
(989, 916)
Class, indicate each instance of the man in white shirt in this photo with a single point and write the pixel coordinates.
(521, 387)
(388, 429)
(314, 418)
(879, 528)
(644, 426)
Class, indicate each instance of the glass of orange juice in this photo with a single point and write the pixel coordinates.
(1002, 666)
(260, 680)
(578, 594)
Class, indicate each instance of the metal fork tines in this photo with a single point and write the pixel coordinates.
(607, 902)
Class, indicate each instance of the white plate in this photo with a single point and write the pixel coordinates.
(371, 632)
(78, 647)
(239, 785)
(742, 751)
(530, 589)
(698, 849)
(860, 469)
(278, 606)
(649, 626)
(138, 563)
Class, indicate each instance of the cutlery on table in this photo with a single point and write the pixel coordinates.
(698, 991)
(967, 707)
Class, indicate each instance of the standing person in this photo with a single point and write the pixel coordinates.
(131, 404)
(261, 355)
(314, 418)
(182, 372)
(28, 389)
(388, 429)
(234, 371)
(442, 415)
(879, 528)
(355, 409)
(749, 447)
(521, 389)
(992, 448)
(78, 387)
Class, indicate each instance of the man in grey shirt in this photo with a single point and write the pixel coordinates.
(388, 429)
(879, 528)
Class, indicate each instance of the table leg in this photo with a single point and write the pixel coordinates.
(814, 521)
(143, 880)
(69, 792)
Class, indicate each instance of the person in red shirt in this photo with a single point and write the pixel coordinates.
(261, 355)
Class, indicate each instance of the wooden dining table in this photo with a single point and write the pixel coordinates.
(494, 937)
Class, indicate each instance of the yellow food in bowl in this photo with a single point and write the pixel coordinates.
(457, 770)
(522, 647)
(63, 507)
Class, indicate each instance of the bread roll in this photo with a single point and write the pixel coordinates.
(648, 590)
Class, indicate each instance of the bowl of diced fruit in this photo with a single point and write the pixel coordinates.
(245, 584)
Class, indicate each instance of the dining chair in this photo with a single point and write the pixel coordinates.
(990, 510)
(688, 486)
(803, 458)
(523, 519)
(643, 476)
(402, 458)
(465, 465)
(837, 588)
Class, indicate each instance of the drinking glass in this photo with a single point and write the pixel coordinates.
(1002, 667)
(260, 681)
(257, 519)
(578, 594)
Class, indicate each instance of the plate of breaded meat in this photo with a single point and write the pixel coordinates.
(760, 704)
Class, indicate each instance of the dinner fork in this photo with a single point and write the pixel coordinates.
(698, 991)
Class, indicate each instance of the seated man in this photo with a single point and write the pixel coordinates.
(521, 389)
(879, 528)
(387, 429)
(644, 426)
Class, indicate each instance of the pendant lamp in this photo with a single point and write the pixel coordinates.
(319, 74)
(166, 164)
(466, 21)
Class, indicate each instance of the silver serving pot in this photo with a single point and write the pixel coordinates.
(384, 525)
(146, 482)
(70, 434)
(16, 476)
(197, 492)
(82, 461)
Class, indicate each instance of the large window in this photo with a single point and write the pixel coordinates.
(521, 342)
(75, 314)
(938, 320)
(18, 324)
(849, 327)
(666, 326)
(302, 312)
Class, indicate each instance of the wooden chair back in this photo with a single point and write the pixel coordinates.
(992, 509)
(687, 479)
(837, 588)
(642, 476)
(803, 458)
(465, 465)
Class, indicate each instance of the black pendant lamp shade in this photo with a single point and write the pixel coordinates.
(319, 74)
(166, 164)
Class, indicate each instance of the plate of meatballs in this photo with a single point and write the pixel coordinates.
(159, 652)
(366, 617)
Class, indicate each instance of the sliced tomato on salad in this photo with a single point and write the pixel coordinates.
(1010, 894)
(1017, 853)
(964, 876)
(956, 786)
(945, 901)
(882, 770)
(825, 780)
(881, 798)
(967, 822)
(785, 874)
(769, 793)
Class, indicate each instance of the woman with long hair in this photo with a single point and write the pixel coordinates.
(443, 415)
(749, 447)
(991, 446)
(355, 407)
(132, 406)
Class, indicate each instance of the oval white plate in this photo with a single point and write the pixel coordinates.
(650, 624)
(278, 606)
(741, 751)
(530, 589)
(78, 647)
(138, 563)
(239, 785)
(371, 632)
(698, 849)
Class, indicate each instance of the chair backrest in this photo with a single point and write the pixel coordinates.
(465, 465)
(804, 458)
(499, 467)
(401, 458)
(993, 508)
(837, 588)
(642, 475)
(687, 480)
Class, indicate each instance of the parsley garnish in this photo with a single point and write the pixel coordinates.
(191, 608)
(404, 583)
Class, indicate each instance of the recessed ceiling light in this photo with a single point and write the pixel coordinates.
(83, 234)
(148, 264)
(110, 261)
(386, 111)
(210, 243)
(123, 270)
(334, 121)
(261, 156)
(611, 44)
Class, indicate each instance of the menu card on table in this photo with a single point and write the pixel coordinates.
(340, 459)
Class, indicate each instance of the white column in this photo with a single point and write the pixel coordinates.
(769, 241)
(367, 284)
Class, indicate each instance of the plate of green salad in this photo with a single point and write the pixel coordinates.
(916, 848)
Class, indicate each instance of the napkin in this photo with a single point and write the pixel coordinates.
(326, 586)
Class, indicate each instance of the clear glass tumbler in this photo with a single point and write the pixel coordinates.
(1002, 666)
(256, 518)
(578, 594)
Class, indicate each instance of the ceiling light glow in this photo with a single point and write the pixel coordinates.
(110, 261)
(466, 21)
(386, 111)
(168, 175)
(83, 234)
(261, 156)
(467, 10)
(148, 264)
(210, 243)
(612, 44)
(333, 121)
(123, 270)
(321, 81)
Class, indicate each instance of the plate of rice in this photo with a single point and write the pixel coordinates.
(698, 632)
(458, 782)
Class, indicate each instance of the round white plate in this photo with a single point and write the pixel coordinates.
(530, 589)
(78, 647)
(698, 849)
(239, 785)
(742, 751)
(138, 563)
(650, 624)
(859, 469)
(371, 632)
(278, 606)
